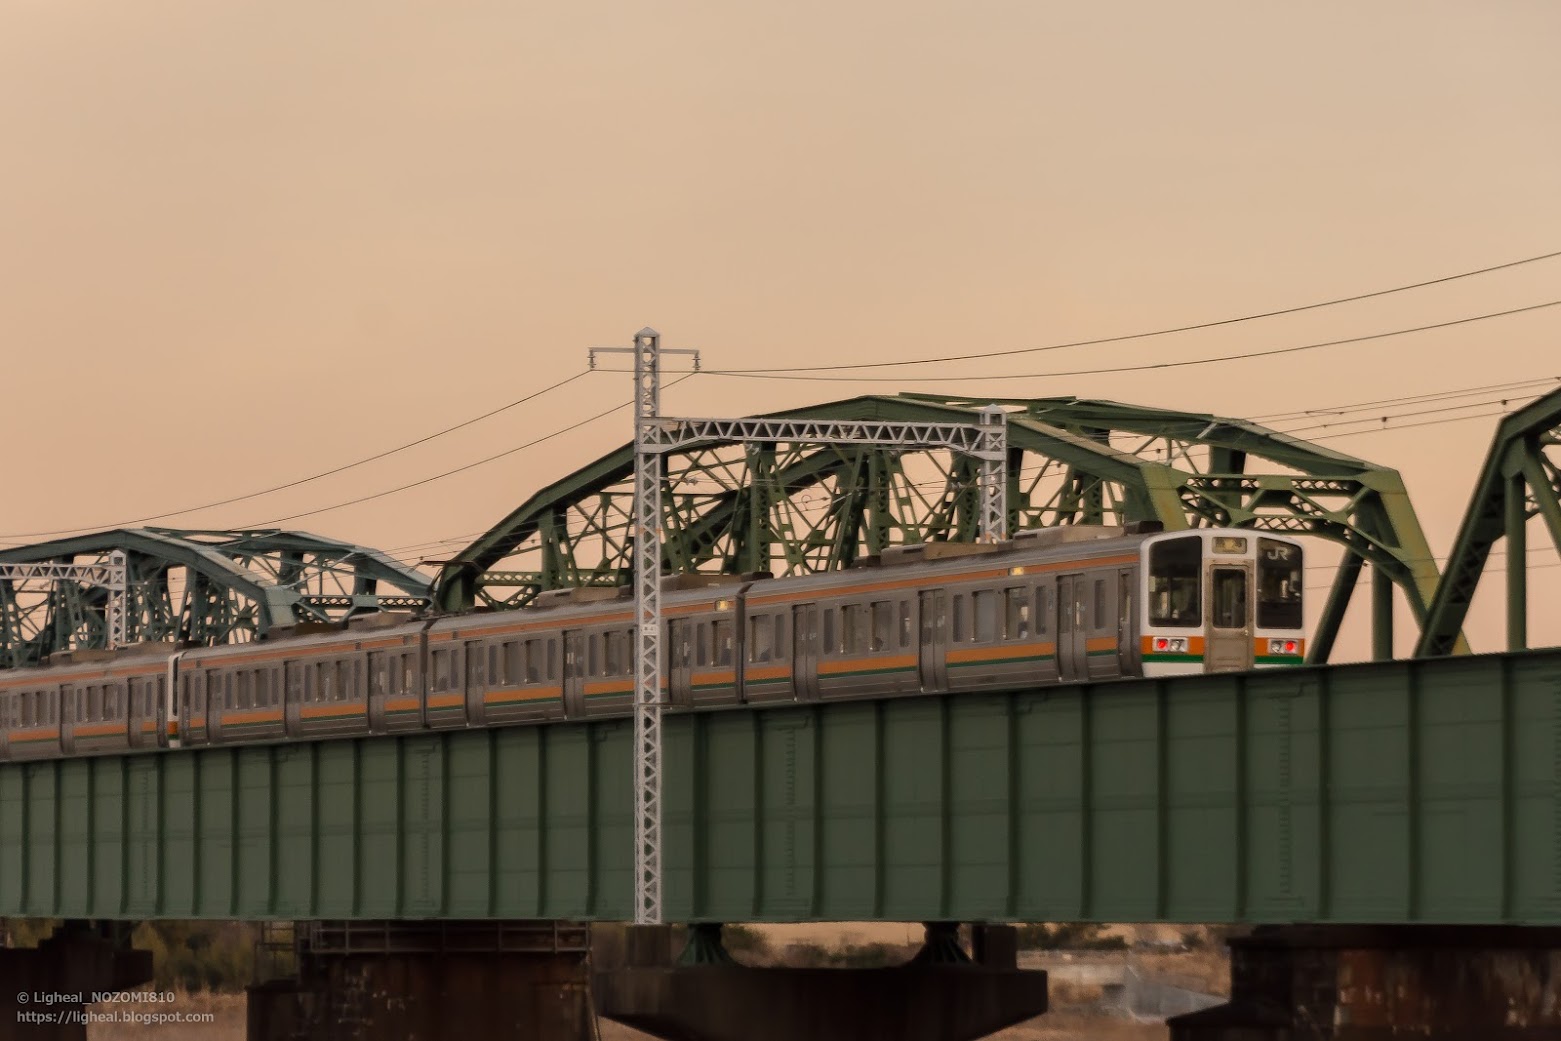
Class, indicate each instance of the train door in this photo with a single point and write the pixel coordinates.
(378, 689)
(934, 654)
(476, 681)
(1228, 645)
(67, 719)
(574, 675)
(184, 703)
(804, 651)
(294, 685)
(680, 672)
(1072, 659)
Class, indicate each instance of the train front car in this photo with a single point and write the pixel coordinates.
(1220, 600)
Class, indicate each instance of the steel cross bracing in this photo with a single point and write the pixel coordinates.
(111, 576)
(654, 436)
(799, 508)
(201, 587)
(1521, 479)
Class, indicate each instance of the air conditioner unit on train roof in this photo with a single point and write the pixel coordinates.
(1067, 533)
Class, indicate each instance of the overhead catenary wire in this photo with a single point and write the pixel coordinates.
(1098, 341)
(459, 469)
(1142, 367)
(303, 480)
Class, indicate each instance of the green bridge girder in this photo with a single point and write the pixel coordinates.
(202, 587)
(1521, 479)
(800, 508)
(1385, 792)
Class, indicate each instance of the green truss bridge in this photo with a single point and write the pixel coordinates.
(1412, 791)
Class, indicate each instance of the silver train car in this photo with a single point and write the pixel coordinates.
(1059, 605)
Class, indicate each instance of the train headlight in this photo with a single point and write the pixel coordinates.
(1171, 644)
(1284, 647)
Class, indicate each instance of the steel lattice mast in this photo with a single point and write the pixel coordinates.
(984, 441)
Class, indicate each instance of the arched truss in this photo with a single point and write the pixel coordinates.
(204, 587)
(1521, 479)
(795, 508)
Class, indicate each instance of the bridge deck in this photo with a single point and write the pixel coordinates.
(1411, 791)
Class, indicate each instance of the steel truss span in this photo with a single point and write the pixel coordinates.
(201, 587)
(729, 505)
(1521, 480)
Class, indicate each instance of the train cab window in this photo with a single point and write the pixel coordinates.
(722, 636)
(1100, 604)
(1018, 614)
(1278, 585)
(761, 634)
(1176, 582)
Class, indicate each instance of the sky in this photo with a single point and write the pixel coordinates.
(241, 243)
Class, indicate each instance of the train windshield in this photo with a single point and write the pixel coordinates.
(1176, 583)
(1278, 585)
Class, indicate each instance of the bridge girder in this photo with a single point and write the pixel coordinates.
(204, 587)
(801, 508)
(1521, 479)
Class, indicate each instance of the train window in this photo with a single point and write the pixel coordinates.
(533, 661)
(295, 681)
(513, 667)
(723, 642)
(760, 638)
(594, 654)
(552, 660)
(960, 628)
(1100, 604)
(883, 625)
(1278, 585)
(1018, 614)
(474, 664)
(782, 647)
(702, 644)
(831, 630)
(1229, 597)
(855, 628)
(617, 654)
(907, 635)
(1176, 583)
(1125, 602)
(442, 680)
(379, 674)
(986, 615)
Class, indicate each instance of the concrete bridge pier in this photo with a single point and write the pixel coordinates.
(429, 981)
(1373, 983)
(44, 989)
(940, 995)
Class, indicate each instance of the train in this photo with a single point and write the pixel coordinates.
(1064, 605)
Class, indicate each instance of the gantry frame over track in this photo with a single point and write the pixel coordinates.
(791, 508)
(1521, 479)
(203, 587)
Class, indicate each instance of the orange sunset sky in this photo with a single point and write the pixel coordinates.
(243, 242)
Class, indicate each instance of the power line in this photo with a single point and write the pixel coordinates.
(460, 469)
(1438, 395)
(1156, 332)
(1243, 356)
(303, 480)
